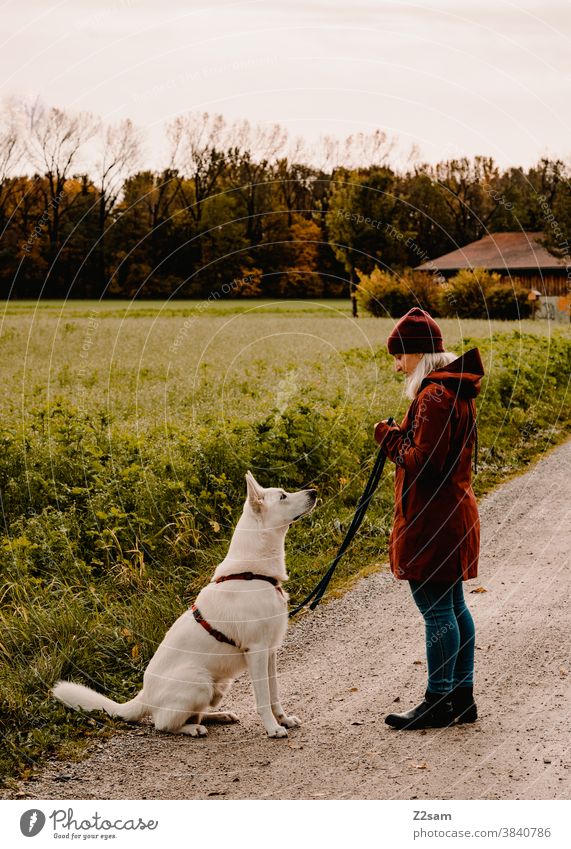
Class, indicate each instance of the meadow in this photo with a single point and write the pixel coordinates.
(125, 433)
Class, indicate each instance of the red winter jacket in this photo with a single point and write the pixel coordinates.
(436, 530)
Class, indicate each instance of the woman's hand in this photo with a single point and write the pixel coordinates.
(380, 429)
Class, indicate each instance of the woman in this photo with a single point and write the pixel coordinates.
(435, 539)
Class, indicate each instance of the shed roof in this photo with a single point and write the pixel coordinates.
(499, 252)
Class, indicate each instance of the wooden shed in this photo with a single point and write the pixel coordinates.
(514, 255)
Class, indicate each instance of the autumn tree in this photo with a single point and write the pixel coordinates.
(301, 276)
(363, 220)
(54, 143)
(119, 152)
(253, 152)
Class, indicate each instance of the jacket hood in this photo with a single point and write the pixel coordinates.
(462, 376)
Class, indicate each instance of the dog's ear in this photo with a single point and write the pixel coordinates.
(255, 492)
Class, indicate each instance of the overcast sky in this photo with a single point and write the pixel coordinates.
(455, 77)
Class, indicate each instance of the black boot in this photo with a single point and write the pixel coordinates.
(434, 712)
(463, 704)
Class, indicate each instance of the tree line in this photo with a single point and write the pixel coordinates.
(240, 210)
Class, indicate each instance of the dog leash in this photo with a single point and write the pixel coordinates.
(362, 506)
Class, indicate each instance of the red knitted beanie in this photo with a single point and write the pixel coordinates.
(415, 333)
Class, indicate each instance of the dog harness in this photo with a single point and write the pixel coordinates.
(240, 576)
(250, 576)
(218, 635)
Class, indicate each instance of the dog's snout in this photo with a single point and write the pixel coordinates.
(312, 494)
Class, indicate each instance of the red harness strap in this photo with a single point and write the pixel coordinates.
(241, 576)
(250, 576)
(218, 635)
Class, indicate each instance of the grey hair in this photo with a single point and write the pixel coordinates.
(428, 363)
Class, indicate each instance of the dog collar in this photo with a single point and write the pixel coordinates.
(249, 576)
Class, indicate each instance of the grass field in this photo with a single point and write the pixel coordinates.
(125, 433)
(152, 362)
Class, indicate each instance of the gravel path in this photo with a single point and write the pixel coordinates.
(345, 666)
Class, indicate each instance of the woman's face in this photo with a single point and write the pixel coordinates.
(407, 362)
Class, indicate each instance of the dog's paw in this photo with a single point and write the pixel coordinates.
(228, 716)
(194, 730)
(289, 721)
(278, 732)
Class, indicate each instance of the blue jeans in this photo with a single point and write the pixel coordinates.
(450, 634)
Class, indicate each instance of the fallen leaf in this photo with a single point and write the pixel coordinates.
(357, 722)
(354, 690)
(563, 672)
(479, 590)
(417, 662)
(420, 766)
(214, 525)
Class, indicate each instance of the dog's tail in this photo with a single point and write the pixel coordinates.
(77, 696)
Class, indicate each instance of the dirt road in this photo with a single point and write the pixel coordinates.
(356, 659)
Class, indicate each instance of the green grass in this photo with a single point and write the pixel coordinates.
(125, 433)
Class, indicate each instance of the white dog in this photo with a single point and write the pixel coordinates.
(238, 621)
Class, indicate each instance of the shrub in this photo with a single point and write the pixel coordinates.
(478, 293)
(508, 302)
(464, 295)
(425, 290)
(383, 294)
